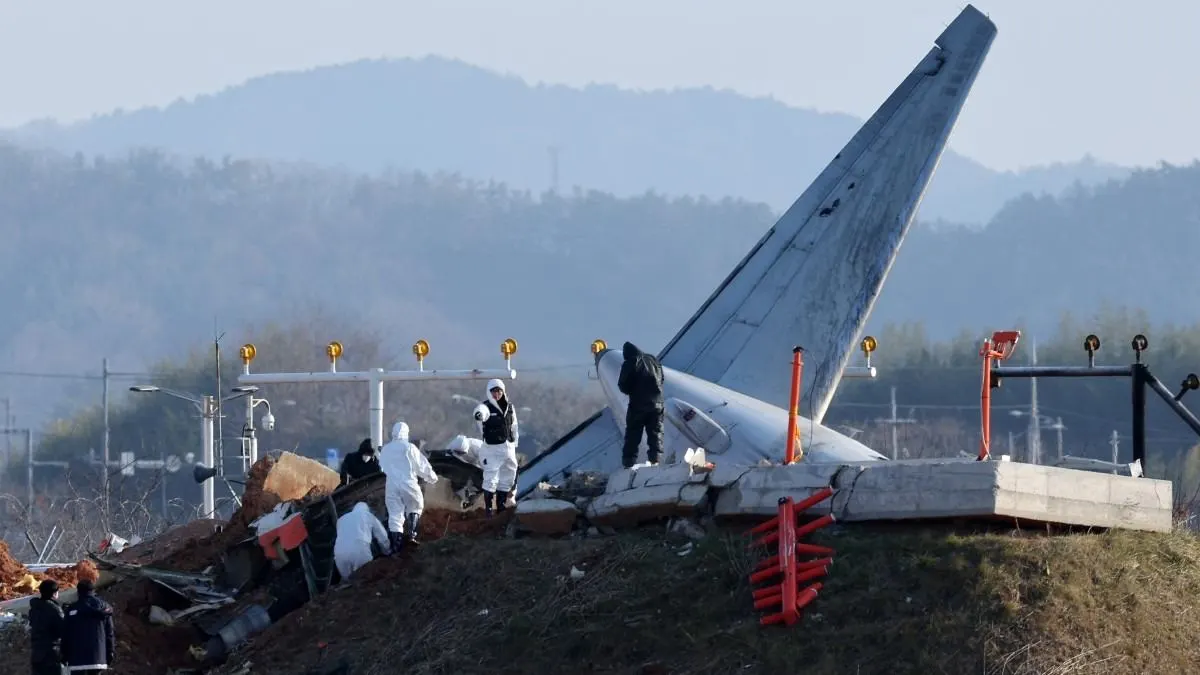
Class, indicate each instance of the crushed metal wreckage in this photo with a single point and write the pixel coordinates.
(217, 585)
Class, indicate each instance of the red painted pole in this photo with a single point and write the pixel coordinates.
(787, 559)
(811, 501)
(794, 407)
(985, 403)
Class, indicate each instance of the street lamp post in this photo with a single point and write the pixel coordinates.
(207, 406)
(249, 439)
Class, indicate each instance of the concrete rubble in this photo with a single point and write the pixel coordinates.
(876, 491)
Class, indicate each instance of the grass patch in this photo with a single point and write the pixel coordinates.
(898, 600)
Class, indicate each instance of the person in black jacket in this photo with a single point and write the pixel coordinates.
(641, 380)
(360, 464)
(45, 630)
(88, 640)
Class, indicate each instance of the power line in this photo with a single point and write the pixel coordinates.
(75, 376)
(923, 406)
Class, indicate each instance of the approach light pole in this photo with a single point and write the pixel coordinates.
(207, 406)
(375, 377)
(249, 439)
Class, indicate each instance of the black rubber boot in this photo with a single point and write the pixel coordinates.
(489, 498)
(501, 502)
(397, 541)
(410, 524)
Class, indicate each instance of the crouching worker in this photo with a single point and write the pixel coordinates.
(355, 532)
(402, 464)
(360, 464)
(497, 418)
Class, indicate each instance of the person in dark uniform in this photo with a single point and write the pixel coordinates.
(642, 381)
(88, 638)
(360, 464)
(45, 630)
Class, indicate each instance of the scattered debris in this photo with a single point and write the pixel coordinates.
(160, 616)
(170, 541)
(17, 581)
(118, 544)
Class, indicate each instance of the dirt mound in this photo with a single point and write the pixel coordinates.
(198, 554)
(67, 577)
(436, 523)
(898, 600)
(17, 581)
(170, 541)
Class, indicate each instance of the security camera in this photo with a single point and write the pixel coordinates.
(268, 421)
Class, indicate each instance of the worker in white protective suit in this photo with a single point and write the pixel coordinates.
(402, 463)
(497, 419)
(467, 449)
(355, 532)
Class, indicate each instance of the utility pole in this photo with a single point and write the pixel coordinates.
(29, 468)
(104, 405)
(208, 413)
(893, 421)
(1115, 442)
(162, 477)
(220, 438)
(1058, 428)
(1035, 425)
(8, 423)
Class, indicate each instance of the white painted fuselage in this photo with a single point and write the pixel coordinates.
(731, 427)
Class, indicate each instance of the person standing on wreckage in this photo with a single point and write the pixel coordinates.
(402, 464)
(641, 380)
(497, 419)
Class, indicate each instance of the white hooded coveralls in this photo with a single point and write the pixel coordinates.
(355, 530)
(402, 463)
(499, 461)
(467, 448)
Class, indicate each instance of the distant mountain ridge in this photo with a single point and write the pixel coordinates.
(434, 114)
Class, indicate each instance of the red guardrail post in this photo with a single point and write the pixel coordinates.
(782, 531)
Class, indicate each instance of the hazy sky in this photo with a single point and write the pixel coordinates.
(1064, 78)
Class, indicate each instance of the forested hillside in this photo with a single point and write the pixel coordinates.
(131, 258)
(436, 115)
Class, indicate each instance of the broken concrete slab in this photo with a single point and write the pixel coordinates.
(666, 474)
(1054, 494)
(619, 481)
(547, 516)
(724, 475)
(952, 488)
(639, 505)
(758, 489)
